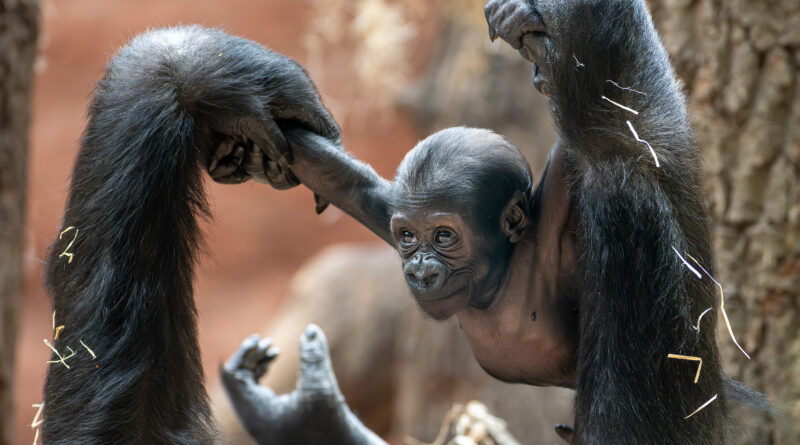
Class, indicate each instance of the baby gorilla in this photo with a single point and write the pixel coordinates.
(476, 241)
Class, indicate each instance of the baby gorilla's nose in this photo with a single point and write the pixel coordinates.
(425, 273)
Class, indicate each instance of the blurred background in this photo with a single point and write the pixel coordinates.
(392, 72)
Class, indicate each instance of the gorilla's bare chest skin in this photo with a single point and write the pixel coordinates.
(528, 333)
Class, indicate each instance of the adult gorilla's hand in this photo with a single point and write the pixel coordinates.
(529, 25)
(512, 19)
(259, 151)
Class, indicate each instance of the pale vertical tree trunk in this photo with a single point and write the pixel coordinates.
(739, 60)
(18, 32)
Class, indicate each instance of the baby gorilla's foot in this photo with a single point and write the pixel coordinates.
(252, 359)
(314, 413)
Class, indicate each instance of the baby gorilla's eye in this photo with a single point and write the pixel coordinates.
(407, 237)
(445, 238)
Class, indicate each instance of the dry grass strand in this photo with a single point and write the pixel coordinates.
(702, 407)
(690, 358)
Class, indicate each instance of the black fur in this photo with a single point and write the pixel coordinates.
(639, 302)
(167, 100)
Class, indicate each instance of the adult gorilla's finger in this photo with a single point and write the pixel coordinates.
(273, 166)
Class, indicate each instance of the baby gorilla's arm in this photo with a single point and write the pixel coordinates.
(346, 182)
(314, 413)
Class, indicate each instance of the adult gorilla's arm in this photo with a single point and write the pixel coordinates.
(636, 188)
(172, 103)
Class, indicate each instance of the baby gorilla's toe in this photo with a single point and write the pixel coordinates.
(253, 357)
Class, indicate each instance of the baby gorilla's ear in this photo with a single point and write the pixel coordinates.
(514, 219)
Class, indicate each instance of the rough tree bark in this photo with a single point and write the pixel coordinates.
(18, 32)
(739, 60)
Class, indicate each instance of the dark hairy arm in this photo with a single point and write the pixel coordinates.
(636, 187)
(126, 365)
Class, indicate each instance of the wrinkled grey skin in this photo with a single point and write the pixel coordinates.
(314, 413)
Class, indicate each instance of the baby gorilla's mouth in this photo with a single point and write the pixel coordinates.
(424, 295)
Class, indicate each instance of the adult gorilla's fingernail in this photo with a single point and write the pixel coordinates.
(492, 34)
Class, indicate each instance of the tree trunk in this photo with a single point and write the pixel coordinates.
(739, 60)
(18, 32)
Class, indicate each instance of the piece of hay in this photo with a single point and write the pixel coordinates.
(702, 406)
(88, 349)
(66, 251)
(61, 359)
(686, 263)
(625, 88)
(691, 358)
(697, 328)
(578, 63)
(722, 307)
(37, 420)
(638, 139)
(617, 104)
(57, 332)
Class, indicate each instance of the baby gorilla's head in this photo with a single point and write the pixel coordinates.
(461, 203)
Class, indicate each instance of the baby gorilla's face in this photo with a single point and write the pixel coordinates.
(448, 264)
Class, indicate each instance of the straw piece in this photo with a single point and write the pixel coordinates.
(686, 263)
(66, 251)
(691, 358)
(638, 139)
(88, 349)
(625, 88)
(697, 328)
(722, 307)
(702, 406)
(37, 420)
(628, 109)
